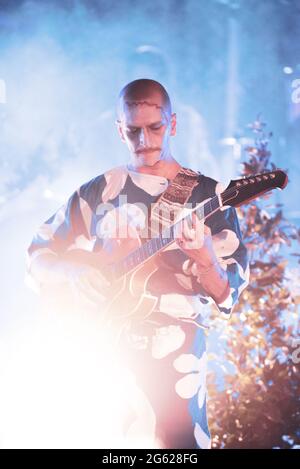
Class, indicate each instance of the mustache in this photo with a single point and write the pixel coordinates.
(146, 150)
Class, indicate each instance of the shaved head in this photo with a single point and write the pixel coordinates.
(146, 123)
(144, 91)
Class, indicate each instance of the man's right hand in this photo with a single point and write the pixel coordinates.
(85, 280)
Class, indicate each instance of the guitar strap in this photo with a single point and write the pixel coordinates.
(171, 202)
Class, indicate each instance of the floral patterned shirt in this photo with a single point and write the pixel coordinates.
(175, 349)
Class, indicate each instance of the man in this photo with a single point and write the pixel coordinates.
(166, 350)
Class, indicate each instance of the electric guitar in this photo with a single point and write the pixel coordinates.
(130, 266)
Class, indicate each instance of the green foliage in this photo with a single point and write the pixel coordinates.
(258, 407)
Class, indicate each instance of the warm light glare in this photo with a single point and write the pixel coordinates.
(64, 386)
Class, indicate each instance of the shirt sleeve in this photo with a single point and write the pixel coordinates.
(67, 229)
(177, 273)
(231, 254)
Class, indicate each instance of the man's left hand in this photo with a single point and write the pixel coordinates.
(194, 238)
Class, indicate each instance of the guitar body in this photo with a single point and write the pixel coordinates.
(129, 297)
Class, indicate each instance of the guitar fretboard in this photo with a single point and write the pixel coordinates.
(156, 244)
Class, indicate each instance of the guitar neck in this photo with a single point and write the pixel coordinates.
(156, 244)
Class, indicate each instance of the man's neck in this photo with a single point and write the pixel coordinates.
(165, 168)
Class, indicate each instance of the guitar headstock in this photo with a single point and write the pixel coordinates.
(241, 191)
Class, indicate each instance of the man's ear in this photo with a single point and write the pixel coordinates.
(173, 124)
(120, 130)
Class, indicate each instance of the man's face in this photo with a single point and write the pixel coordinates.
(146, 127)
